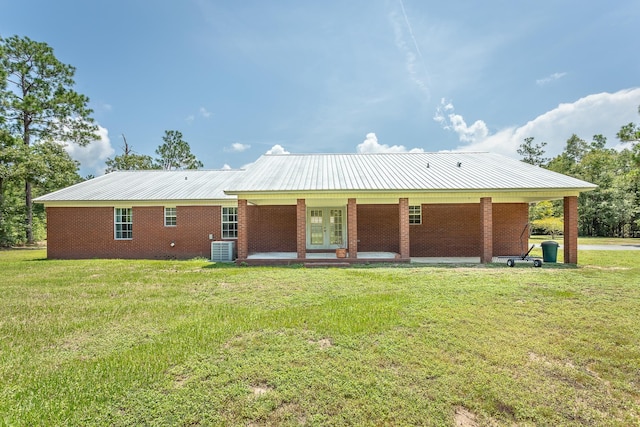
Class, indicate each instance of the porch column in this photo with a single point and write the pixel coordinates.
(486, 230)
(243, 230)
(571, 230)
(301, 228)
(352, 228)
(403, 211)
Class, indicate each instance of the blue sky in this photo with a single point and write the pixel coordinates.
(240, 79)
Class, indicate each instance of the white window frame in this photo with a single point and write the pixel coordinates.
(415, 215)
(123, 223)
(229, 217)
(170, 216)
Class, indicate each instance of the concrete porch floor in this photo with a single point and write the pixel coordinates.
(362, 257)
(445, 260)
(319, 255)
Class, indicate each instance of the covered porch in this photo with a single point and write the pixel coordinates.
(409, 204)
(475, 231)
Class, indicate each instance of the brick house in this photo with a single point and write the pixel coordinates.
(300, 208)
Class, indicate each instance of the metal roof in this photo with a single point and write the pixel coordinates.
(397, 172)
(380, 172)
(150, 185)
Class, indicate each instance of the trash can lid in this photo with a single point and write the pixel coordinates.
(550, 243)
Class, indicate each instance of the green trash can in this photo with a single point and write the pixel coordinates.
(549, 251)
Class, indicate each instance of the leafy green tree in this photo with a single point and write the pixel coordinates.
(545, 209)
(606, 210)
(12, 154)
(129, 160)
(550, 225)
(545, 216)
(612, 209)
(576, 148)
(567, 162)
(175, 153)
(630, 180)
(532, 154)
(599, 142)
(40, 104)
(49, 167)
(630, 132)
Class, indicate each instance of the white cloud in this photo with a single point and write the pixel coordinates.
(238, 147)
(549, 79)
(204, 113)
(371, 145)
(93, 155)
(226, 167)
(478, 131)
(602, 113)
(277, 149)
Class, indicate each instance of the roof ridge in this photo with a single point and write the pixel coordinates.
(374, 154)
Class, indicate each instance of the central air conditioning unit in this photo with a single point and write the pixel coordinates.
(223, 251)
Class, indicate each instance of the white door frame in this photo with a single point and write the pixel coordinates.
(326, 227)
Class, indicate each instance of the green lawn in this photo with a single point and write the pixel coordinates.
(111, 342)
(537, 239)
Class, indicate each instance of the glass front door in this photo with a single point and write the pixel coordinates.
(326, 228)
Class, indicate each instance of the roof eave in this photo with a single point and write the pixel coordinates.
(138, 202)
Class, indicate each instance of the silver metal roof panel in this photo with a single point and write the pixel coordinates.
(397, 171)
(150, 185)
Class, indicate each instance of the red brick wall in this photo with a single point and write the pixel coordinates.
(352, 228)
(89, 233)
(301, 228)
(451, 230)
(486, 229)
(272, 229)
(571, 230)
(509, 220)
(403, 230)
(378, 227)
(243, 229)
(446, 230)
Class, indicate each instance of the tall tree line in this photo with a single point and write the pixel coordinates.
(173, 153)
(613, 209)
(40, 112)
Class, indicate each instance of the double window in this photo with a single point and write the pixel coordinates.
(170, 217)
(229, 223)
(415, 214)
(123, 224)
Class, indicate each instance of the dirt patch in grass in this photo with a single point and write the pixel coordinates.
(180, 380)
(322, 343)
(260, 389)
(465, 418)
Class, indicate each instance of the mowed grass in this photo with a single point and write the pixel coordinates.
(113, 342)
(624, 241)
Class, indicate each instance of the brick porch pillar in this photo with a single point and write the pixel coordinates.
(301, 228)
(352, 228)
(243, 230)
(571, 230)
(486, 230)
(403, 211)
